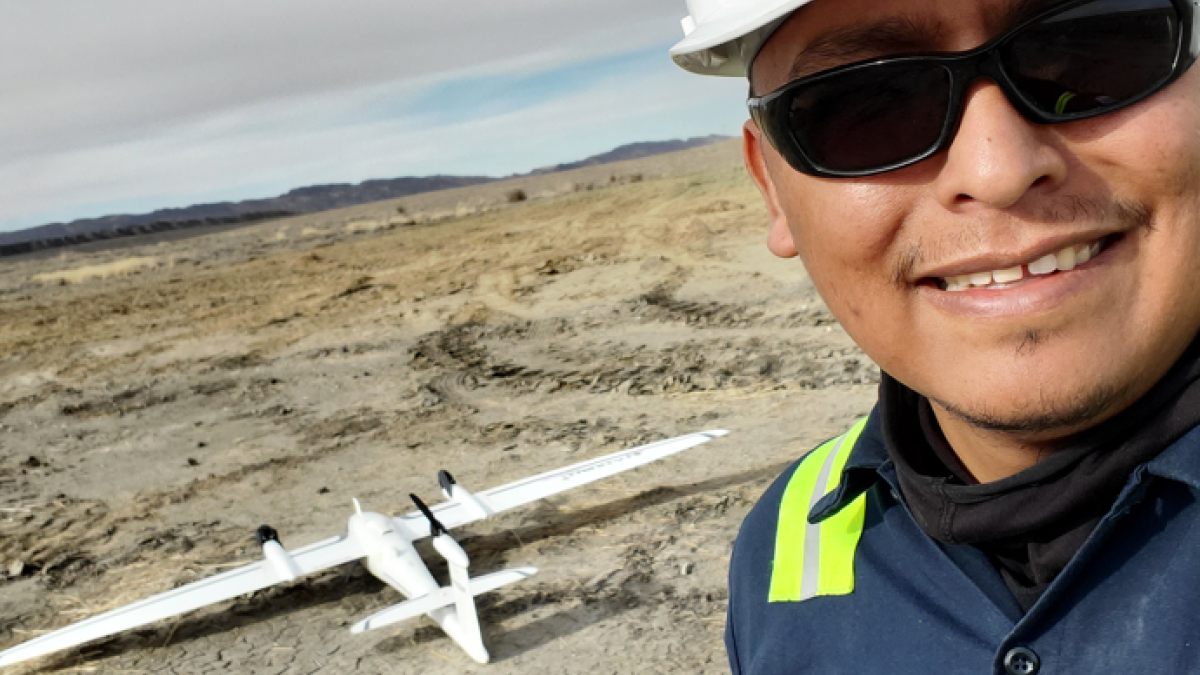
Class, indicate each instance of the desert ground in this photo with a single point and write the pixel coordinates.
(160, 398)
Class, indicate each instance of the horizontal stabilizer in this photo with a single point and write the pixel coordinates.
(406, 610)
(440, 598)
(453, 514)
(490, 582)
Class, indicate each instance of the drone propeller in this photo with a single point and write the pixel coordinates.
(265, 533)
(446, 481)
(436, 528)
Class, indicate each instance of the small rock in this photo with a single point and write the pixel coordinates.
(323, 491)
(193, 462)
(15, 568)
(33, 462)
(685, 569)
(202, 444)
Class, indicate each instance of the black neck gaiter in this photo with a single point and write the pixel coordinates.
(1031, 524)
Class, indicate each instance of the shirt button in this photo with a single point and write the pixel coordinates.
(1021, 661)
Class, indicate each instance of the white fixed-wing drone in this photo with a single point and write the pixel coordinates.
(387, 544)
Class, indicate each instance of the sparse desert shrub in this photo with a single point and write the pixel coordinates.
(115, 268)
(401, 210)
(360, 226)
(635, 178)
(517, 195)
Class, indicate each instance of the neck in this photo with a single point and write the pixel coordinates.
(992, 455)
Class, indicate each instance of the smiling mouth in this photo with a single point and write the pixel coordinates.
(1063, 260)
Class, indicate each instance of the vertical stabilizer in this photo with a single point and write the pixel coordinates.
(470, 636)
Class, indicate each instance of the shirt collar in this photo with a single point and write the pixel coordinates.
(862, 471)
(868, 463)
(1180, 461)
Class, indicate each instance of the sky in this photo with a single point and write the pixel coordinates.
(125, 106)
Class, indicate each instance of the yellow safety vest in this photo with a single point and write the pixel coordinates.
(817, 559)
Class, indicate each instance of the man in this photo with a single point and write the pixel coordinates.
(1000, 201)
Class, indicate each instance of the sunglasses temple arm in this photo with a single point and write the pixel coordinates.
(1194, 47)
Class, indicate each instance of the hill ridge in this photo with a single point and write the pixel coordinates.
(297, 201)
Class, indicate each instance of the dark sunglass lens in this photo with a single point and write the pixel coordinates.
(1096, 56)
(871, 118)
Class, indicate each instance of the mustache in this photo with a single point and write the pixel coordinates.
(1127, 215)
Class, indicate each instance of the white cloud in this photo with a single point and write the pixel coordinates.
(136, 102)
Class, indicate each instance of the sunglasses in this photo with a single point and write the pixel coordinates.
(1077, 60)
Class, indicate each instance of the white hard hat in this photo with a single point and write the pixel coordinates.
(724, 36)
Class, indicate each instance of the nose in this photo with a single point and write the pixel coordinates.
(998, 156)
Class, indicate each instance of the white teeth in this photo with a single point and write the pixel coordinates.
(1009, 275)
(958, 283)
(981, 278)
(1067, 259)
(1044, 265)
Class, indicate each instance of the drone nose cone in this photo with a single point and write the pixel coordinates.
(716, 433)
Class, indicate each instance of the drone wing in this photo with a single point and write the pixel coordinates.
(252, 577)
(456, 513)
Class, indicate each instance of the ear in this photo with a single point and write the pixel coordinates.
(779, 237)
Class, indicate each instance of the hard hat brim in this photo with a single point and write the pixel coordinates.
(729, 24)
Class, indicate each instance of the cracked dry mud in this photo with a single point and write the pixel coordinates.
(267, 374)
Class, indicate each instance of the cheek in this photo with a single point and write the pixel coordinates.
(847, 234)
(1152, 148)
(1152, 156)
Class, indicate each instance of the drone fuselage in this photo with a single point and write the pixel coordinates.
(391, 556)
(393, 559)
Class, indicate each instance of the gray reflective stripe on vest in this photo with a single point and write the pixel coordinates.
(817, 559)
(812, 536)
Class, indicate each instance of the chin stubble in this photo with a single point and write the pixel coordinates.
(1080, 409)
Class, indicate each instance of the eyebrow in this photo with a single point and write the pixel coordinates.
(1014, 12)
(893, 35)
(898, 35)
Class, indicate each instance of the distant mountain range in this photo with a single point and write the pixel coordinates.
(634, 151)
(299, 201)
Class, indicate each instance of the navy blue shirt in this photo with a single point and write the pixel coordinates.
(1128, 602)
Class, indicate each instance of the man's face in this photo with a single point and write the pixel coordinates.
(1043, 356)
